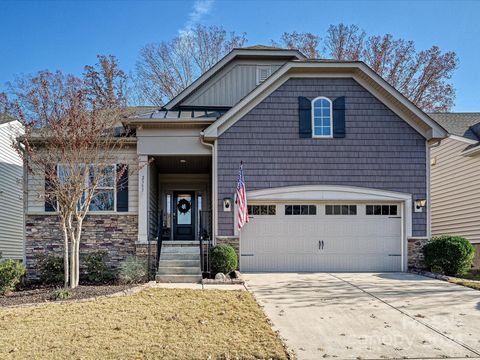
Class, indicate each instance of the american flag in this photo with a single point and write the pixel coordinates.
(241, 200)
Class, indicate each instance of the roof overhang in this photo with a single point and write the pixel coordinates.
(235, 53)
(360, 72)
(168, 123)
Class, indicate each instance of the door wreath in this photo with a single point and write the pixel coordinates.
(184, 206)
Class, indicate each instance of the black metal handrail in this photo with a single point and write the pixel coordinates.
(205, 231)
(159, 238)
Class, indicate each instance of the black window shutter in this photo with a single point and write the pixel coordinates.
(305, 117)
(49, 200)
(122, 188)
(339, 117)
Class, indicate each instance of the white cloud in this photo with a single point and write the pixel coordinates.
(199, 10)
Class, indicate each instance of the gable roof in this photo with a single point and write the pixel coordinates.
(357, 70)
(460, 124)
(252, 51)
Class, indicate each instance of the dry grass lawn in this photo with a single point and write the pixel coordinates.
(471, 284)
(153, 324)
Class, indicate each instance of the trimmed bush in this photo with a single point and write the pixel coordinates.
(11, 272)
(60, 294)
(223, 259)
(97, 270)
(51, 270)
(452, 255)
(133, 271)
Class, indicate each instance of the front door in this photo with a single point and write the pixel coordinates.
(184, 215)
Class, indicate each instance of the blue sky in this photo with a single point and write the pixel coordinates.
(67, 35)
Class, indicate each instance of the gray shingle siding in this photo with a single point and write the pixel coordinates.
(380, 150)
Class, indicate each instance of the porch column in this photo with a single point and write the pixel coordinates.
(143, 199)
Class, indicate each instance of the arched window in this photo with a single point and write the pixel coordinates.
(322, 124)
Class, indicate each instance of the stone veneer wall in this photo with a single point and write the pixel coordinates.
(116, 234)
(415, 253)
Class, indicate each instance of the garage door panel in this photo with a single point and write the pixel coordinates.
(294, 243)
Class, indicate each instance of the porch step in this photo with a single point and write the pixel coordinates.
(178, 278)
(179, 270)
(179, 262)
(180, 249)
(177, 256)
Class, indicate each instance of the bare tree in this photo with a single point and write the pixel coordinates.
(70, 142)
(308, 43)
(165, 69)
(106, 82)
(422, 76)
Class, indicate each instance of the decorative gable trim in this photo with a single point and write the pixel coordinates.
(360, 72)
(223, 62)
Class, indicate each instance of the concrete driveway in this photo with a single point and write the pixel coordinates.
(370, 316)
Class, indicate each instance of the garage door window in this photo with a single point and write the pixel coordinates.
(340, 209)
(389, 210)
(262, 209)
(300, 210)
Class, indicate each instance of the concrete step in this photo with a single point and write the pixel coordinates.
(178, 270)
(179, 256)
(178, 278)
(179, 262)
(181, 242)
(181, 249)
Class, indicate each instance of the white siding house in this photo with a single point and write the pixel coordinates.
(11, 192)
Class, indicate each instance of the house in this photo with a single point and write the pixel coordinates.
(455, 165)
(336, 164)
(11, 192)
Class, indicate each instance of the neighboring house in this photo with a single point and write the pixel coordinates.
(336, 165)
(11, 191)
(455, 178)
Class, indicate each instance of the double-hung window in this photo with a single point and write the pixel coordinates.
(322, 124)
(104, 196)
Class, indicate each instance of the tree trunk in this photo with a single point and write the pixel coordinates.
(66, 264)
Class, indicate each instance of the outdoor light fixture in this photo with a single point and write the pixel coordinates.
(420, 205)
(227, 204)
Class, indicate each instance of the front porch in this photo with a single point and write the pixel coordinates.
(175, 214)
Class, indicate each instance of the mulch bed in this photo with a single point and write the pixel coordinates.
(42, 294)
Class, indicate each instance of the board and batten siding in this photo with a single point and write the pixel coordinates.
(229, 85)
(455, 191)
(11, 194)
(380, 150)
(36, 183)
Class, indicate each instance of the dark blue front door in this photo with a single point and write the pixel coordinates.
(184, 215)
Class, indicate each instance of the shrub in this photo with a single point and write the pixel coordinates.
(51, 270)
(11, 272)
(223, 259)
(452, 254)
(133, 271)
(60, 294)
(96, 267)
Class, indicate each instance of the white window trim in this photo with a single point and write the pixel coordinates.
(313, 118)
(100, 188)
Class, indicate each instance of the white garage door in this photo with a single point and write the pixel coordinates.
(322, 237)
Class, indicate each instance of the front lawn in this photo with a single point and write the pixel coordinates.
(152, 324)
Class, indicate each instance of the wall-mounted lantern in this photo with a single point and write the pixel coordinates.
(420, 205)
(227, 204)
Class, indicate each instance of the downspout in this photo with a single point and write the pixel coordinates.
(429, 198)
(214, 185)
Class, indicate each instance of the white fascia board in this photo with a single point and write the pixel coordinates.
(224, 61)
(342, 69)
(471, 152)
(463, 139)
